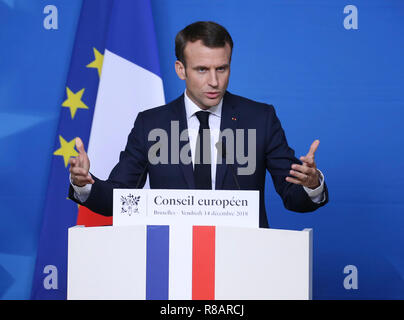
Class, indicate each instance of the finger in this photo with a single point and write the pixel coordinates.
(303, 169)
(72, 161)
(89, 179)
(83, 161)
(80, 160)
(71, 168)
(77, 171)
(292, 180)
(80, 146)
(300, 176)
(81, 181)
(308, 161)
(313, 147)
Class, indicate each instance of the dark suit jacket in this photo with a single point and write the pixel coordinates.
(273, 153)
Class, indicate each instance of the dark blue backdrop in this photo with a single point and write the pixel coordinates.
(344, 87)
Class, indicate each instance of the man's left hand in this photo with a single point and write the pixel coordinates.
(306, 174)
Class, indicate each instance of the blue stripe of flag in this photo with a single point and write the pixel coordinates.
(157, 259)
(133, 33)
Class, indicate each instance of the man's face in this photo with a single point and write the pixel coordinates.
(206, 73)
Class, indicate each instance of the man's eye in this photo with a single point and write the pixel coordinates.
(201, 69)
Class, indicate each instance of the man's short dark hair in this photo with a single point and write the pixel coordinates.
(212, 34)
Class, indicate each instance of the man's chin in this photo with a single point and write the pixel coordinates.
(212, 102)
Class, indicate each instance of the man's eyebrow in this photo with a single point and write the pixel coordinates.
(226, 65)
(200, 67)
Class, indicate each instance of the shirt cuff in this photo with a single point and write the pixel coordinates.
(81, 193)
(317, 195)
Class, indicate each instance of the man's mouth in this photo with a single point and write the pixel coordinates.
(212, 95)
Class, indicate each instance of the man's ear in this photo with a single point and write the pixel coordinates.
(180, 69)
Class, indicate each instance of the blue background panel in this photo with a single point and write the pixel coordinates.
(344, 87)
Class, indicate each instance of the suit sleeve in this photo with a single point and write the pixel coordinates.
(126, 174)
(279, 159)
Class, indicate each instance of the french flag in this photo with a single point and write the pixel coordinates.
(130, 83)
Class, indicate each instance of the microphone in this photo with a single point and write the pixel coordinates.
(142, 175)
(224, 153)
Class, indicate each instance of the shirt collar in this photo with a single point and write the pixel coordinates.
(191, 108)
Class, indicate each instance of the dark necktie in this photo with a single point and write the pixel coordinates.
(202, 167)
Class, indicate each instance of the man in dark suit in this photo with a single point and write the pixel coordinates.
(204, 112)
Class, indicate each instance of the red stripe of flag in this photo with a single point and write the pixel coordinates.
(203, 263)
(88, 218)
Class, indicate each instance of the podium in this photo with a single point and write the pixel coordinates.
(189, 262)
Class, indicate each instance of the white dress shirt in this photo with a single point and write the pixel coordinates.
(317, 195)
(193, 128)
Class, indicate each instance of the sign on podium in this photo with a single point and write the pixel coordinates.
(186, 207)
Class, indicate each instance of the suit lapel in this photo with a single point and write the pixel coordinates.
(228, 121)
(187, 169)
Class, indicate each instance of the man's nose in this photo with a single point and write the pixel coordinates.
(213, 81)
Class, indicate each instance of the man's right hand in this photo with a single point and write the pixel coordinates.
(80, 166)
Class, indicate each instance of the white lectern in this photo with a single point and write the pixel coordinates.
(189, 262)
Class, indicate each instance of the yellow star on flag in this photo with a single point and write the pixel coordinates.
(98, 61)
(73, 101)
(66, 149)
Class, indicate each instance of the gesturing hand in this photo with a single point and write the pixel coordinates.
(306, 174)
(80, 166)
